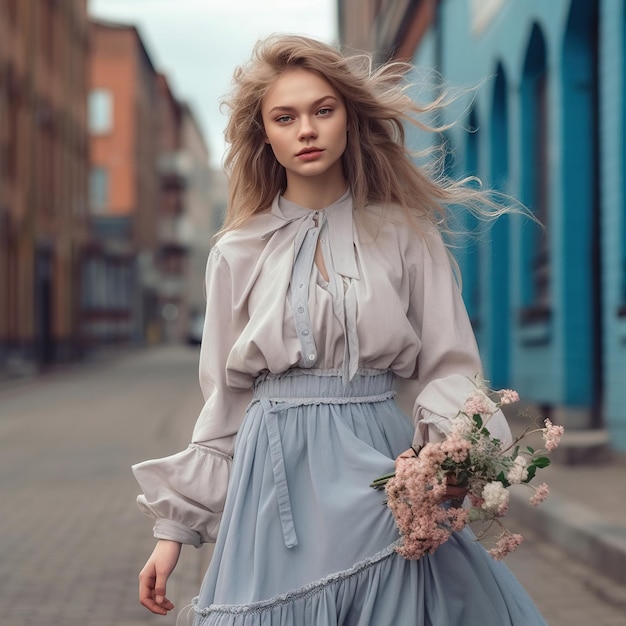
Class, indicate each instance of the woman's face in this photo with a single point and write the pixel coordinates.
(306, 125)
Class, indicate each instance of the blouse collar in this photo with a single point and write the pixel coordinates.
(340, 228)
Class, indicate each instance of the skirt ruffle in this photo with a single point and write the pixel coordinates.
(461, 585)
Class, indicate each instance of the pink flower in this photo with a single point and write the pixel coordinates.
(431, 456)
(540, 495)
(479, 403)
(418, 495)
(414, 496)
(508, 396)
(507, 543)
(456, 448)
(552, 435)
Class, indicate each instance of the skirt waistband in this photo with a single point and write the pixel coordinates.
(278, 393)
(322, 385)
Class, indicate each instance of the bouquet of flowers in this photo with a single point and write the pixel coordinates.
(474, 460)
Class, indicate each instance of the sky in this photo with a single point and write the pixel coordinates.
(198, 43)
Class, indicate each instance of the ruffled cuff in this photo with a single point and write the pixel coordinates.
(440, 403)
(175, 531)
(185, 492)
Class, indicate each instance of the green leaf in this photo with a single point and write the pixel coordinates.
(462, 478)
(530, 450)
(542, 461)
(478, 420)
(502, 478)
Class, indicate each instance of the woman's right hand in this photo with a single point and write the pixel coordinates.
(153, 577)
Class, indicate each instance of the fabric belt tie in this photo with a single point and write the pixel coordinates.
(278, 469)
(270, 417)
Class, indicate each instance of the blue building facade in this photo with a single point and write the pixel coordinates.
(548, 127)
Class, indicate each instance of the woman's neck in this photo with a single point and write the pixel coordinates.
(313, 193)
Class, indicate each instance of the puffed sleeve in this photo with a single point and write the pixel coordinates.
(185, 492)
(448, 361)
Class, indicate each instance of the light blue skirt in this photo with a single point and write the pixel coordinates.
(305, 541)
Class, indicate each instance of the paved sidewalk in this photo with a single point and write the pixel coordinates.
(585, 513)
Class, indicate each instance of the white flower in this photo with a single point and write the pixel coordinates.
(496, 497)
(461, 426)
(518, 472)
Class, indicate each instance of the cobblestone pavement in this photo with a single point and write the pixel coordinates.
(71, 538)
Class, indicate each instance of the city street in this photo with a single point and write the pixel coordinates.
(71, 537)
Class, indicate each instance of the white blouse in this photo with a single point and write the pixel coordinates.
(391, 302)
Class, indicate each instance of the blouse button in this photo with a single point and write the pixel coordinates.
(305, 333)
(301, 309)
(311, 357)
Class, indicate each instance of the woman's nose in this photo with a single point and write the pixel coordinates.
(307, 130)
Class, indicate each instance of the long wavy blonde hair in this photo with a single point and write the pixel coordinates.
(377, 164)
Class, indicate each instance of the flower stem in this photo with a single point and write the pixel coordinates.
(381, 481)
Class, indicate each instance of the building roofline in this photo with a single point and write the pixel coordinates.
(125, 26)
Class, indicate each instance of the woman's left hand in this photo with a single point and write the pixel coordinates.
(407, 454)
(453, 491)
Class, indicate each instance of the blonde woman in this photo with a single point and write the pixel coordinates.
(329, 288)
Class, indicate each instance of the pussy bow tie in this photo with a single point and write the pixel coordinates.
(334, 223)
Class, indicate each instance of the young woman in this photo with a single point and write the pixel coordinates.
(329, 289)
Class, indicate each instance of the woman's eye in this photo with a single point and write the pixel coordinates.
(283, 119)
(325, 111)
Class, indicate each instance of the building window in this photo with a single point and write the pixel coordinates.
(98, 190)
(100, 111)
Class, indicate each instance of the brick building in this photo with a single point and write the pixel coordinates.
(150, 196)
(204, 209)
(43, 174)
(174, 167)
(120, 277)
(549, 308)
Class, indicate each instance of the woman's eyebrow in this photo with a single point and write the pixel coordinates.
(317, 102)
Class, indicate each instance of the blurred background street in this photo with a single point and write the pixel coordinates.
(111, 189)
(72, 540)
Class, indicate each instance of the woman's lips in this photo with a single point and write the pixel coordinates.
(310, 155)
